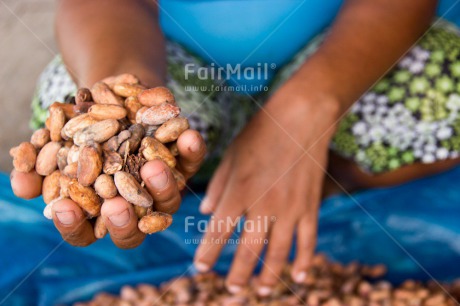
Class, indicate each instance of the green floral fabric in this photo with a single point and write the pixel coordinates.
(410, 115)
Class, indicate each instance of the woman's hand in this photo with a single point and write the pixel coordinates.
(275, 167)
(118, 214)
(271, 174)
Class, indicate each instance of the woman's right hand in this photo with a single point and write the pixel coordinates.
(117, 213)
(140, 49)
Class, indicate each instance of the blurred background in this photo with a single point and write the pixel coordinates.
(27, 40)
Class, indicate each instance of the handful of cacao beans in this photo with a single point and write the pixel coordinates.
(327, 284)
(93, 148)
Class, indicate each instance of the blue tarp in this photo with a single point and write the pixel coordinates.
(413, 228)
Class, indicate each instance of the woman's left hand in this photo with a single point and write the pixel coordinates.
(276, 166)
(272, 173)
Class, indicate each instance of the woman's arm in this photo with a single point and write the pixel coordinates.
(365, 41)
(108, 37)
(292, 132)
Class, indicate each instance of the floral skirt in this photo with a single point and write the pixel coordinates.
(410, 116)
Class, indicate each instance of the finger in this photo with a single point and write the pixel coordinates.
(220, 227)
(279, 246)
(192, 150)
(72, 223)
(215, 187)
(121, 221)
(161, 184)
(246, 257)
(306, 243)
(26, 185)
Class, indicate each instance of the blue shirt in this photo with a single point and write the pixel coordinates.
(252, 33)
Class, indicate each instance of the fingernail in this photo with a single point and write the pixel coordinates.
(299, 277)
(195, 147)
(66, 217)
(159, 181)
(202, 267)
(234, 289)
(120, 219)
(264, 291)
(204, 206)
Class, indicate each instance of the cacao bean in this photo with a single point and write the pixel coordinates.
(131, 190)
(140, 211)
(154, 222)
(159, 114)
(132, 105)
(83, 107)
(156, 96)
(48, 211)
(100, 230)
(47, 158)
(51, 187)
(76, 124)
(123, 135)
(124, 124)
(180, 179)
(71, 170)
(40, 138)
(62, 156)
(150, 130)
(323, 288)
(128, 293)
(85, 197)
(171, 129)
(97, 132)
(140, 113)
(83, 95)
(72, 156)
(89, 165)
(148, 292)
(102, 94)
(113, 162)
(69, 109)
(153, 149)
(105, 186)
(107, 111)
(64, 186)
(111, 145)
(24, 157)
(122, 78)
(174, 149)
(133, 142)
(57, 121)
(128, 90)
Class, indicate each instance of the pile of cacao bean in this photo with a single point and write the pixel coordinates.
(327, 284)
(93, 147)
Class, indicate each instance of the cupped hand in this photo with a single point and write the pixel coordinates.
(270, 177)
(117, 213)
